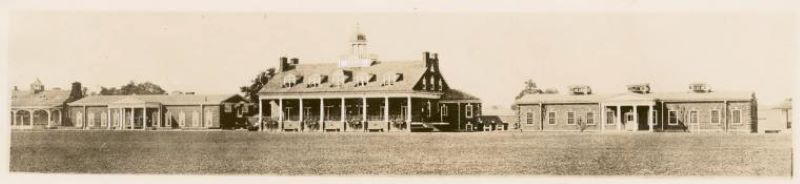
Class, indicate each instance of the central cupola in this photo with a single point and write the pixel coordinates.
(358, 56)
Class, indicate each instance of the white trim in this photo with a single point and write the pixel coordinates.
(590, 116)
(529, 117)
(468, 111)
(612, 116)
(711, 116)
(734, 109)
(443, 110)
(696, 118)
(670, 114)
(555, 118)
(574, 118)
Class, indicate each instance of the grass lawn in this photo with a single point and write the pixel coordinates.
(507, 153)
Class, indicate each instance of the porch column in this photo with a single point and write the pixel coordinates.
(602, 118)
(617, 119)
(280, 110)
(301, 109)
(343, 113)
(83, 125)
(260, 114)
(458, 106)
(364, 112)
(202, 116)
(160, 114)
(386, 112)
(650, 117)
(636, 116)
(108, 118)
(13, 118)
(408, 113)
(144, 117)
(321, 114)
(49, 118)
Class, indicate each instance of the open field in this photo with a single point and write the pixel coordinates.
(507, 153)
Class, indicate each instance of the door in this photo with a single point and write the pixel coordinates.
(630, 124)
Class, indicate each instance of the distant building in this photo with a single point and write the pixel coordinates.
(120, 112)
(39, 107)
(363, 93)
(777, 118)
(698, 109)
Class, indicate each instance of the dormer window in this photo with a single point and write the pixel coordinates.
(339, 78)
(363, 78)
(290, 80)
(315, 80)
(390, 78)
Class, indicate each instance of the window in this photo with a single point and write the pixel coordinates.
(290, 80)
(168, 119)
(195, 119)
(610, 117)
(182, 119)
(245, 109)
(443, 110)
(570, 118)
(115, 120)
(103, 119)
(715, 116)
(90, 119)
(673, 118)
(468, 111)
(590, 118)
(315, 80)
(363, 78)
(529, 117)
(693, 117)
(429, 108)
(390, 78)
(339, 78)
(228, 108)
(551, 118)
(209, 118)
(736, 116)
(79, 119)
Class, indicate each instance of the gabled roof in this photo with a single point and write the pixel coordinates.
(411, 73)
(453, 95)
(623, 97)
(162, 99)
(47, 98)
(562, 98)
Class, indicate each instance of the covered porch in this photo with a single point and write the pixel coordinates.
(628, 113)
(30, 117)
(346, 112)
(133, 114)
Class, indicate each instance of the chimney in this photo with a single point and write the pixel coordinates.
(284, 65)
(427, 56)
(76, 92)
(643, 88)
(700, 87)
(580, 90)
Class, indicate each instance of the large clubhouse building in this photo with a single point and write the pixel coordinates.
(698, 109)
(362, 93)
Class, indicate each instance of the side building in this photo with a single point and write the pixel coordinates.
(362, 93)
(41, 108)
(129, 112)
(699, 109)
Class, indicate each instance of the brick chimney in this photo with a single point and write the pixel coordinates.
(283, 65)
(76, 92)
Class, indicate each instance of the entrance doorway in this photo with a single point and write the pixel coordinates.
(630, 122)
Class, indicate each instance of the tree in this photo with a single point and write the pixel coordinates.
(263, 77)
(530, 88)
(146, 88)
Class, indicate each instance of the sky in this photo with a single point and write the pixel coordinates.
(487, 54)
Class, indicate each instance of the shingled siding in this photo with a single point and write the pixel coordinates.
(704, 122)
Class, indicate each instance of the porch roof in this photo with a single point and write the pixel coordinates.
(154, 99)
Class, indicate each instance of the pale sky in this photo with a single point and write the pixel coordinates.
(487, 54)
